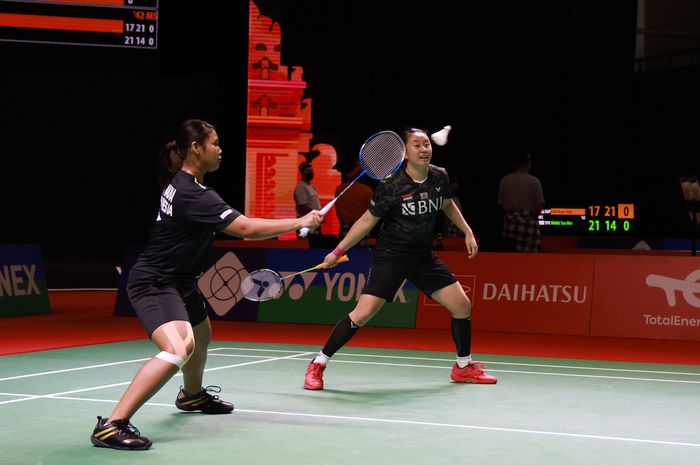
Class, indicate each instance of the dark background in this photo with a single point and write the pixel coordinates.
(558, 77)
(81, 125)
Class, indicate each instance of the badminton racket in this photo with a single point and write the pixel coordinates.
(380, 157)
(266, 284)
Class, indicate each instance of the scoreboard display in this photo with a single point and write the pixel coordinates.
(598, 219)
(104, 23)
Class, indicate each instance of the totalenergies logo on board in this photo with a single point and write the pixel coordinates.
(688, 287)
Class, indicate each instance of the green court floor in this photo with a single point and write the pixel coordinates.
(379, 407)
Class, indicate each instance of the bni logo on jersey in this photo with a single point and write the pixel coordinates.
(421, 207)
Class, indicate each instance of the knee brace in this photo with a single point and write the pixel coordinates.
(182, 347)
(171, 358)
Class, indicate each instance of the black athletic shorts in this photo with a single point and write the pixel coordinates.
(389, 269)
(157, 301)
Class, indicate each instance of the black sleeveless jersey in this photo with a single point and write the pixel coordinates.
(409, 210)
(189, 216)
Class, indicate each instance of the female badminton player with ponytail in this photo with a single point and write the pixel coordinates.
(161, 284)
(409, 203)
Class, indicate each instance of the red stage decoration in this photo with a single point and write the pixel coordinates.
(279, 130)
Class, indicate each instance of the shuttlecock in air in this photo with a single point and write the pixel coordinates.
(440, 137)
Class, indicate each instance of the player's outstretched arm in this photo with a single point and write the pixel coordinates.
(261, 228)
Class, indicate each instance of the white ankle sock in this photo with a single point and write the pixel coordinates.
(321, 358)
(463, 361)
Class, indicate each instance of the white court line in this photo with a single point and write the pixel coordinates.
(254, 350)
(75, 369)
(490, 362)
(301, 354)
(94, 388)
(102, 365)
(304, 354)
(522, 372)
(105, 386)
(544, 373)
(428, 423)
(248, 356)
(540, 365)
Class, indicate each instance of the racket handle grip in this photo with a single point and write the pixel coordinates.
(304, 231)
(342, 259)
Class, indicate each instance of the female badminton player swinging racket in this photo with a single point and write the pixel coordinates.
(161, 284)
(409, 203)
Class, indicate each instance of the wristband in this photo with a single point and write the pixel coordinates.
(338, 252)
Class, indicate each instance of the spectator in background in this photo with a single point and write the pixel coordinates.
(306, 195)
(352, 205)
(521, 200)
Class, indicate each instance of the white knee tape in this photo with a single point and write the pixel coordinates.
(171, 358)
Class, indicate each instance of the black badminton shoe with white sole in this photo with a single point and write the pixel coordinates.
(203, 401)
(118, 434)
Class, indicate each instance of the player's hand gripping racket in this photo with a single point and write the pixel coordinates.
(265, 284)
(380, 157)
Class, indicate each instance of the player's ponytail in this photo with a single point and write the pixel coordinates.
(169, 162)
(173, 154)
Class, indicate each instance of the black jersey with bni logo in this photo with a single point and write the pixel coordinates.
(410, 209)
(189, 216)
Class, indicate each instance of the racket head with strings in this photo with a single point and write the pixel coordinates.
(261, 285)
(382, 154)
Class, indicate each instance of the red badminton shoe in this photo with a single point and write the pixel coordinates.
(314, 376)
(472, 373)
